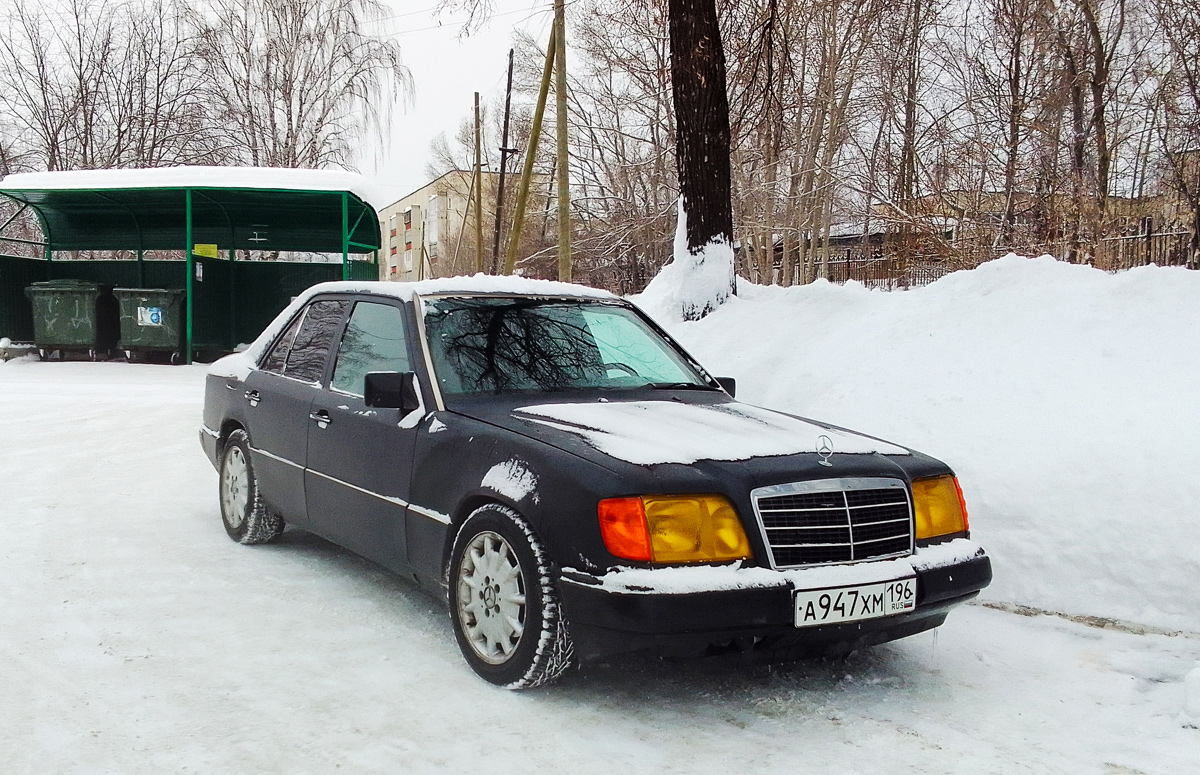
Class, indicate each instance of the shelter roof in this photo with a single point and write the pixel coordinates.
(250, 208)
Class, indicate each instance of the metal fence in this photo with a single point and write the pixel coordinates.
(880, 266)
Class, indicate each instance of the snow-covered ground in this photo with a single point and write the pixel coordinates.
(135, 637)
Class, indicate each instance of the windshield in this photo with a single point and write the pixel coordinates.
(485, 345)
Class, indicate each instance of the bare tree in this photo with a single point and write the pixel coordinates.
(297, 82)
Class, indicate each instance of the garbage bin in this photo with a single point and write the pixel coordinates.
(152, 321)
(76, 315)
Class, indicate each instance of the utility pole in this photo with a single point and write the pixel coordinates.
(504, 152)
(514, 236)
(478, 184)
(560, 94)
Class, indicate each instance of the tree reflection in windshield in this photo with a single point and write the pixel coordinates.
(482, 345)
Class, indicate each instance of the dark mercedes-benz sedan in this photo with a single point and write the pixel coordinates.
(573, 483)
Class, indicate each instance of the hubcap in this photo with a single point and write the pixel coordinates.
(235, 490)
(491, 598)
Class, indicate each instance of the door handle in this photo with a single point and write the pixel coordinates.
(253, 397)
(321, 418)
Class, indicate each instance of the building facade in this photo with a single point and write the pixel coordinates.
(431, 232)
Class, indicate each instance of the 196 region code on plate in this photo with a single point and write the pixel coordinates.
(849, 604)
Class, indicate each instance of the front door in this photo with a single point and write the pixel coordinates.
(360, 458)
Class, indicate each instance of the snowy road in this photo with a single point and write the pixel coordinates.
(136, 638)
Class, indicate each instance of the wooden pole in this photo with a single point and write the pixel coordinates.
(504, 151)
(478, 194)
(514, 236)
(462, 229)
(560, 98)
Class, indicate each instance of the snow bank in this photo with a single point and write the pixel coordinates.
(691, 284)
(1065, 398)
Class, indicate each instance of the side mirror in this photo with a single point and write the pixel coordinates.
(729, 385)
(392, 390)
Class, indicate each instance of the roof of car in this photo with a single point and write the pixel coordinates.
(477, 285)
(239, 364)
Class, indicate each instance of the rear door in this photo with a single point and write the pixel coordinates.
(360, 458)
(280, 393)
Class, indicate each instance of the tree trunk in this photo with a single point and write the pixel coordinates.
(702, 119)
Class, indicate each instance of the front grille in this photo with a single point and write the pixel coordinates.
(834, 520)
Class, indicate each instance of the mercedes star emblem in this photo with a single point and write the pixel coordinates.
(824, 449)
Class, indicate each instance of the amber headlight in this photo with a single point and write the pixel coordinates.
(673, 529)
(939, 507)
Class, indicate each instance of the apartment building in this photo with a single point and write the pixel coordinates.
(431, 232)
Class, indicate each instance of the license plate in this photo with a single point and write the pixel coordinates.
(851, 604)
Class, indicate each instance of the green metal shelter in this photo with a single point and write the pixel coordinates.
(207, 213)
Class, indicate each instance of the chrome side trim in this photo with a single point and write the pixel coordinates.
(436, 516)
(419, 308)
(833, 485)
(207, 431)
(264, 453)
(388, 498)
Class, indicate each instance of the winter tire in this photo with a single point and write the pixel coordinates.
(243, 512)
(504, 602)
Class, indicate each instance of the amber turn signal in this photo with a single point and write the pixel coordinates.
(939, 507)
(673, 529)
(623, 527)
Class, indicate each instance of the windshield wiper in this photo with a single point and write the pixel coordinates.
(678, 386)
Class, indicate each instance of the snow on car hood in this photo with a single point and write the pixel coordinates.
(653, 432)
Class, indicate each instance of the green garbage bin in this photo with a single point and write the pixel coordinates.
(73, 315)
(152, 321)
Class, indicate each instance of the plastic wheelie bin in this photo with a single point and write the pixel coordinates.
(152, 322)
(73, 315)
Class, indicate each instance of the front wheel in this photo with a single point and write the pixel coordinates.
(504, 602)
(246, 517)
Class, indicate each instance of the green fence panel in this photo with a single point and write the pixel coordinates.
(364, 270)
(211, 325)
(16, 312)
(263, 288)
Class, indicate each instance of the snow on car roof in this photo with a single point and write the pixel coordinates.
(240, 364)
(200, 177)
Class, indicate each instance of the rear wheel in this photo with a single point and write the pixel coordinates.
(243, 512)
(504, 601)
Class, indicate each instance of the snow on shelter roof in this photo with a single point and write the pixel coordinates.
(198, 177)
(248, 208)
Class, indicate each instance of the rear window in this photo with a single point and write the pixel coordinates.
(310, 349)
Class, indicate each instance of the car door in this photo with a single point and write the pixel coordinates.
(359, 457)
(279, 394)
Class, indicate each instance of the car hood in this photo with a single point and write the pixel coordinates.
(677, 429)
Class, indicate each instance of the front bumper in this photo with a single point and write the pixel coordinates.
(605, 618)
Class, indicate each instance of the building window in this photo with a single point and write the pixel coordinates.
(393, 232)
(393, 250)
(408, 245)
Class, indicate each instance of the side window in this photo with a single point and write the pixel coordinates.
(374, 341)
(277, 357)
(306, 359)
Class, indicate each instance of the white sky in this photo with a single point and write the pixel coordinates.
(446, 70)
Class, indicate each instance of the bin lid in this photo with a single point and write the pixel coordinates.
(68, 284)
(149, 290)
